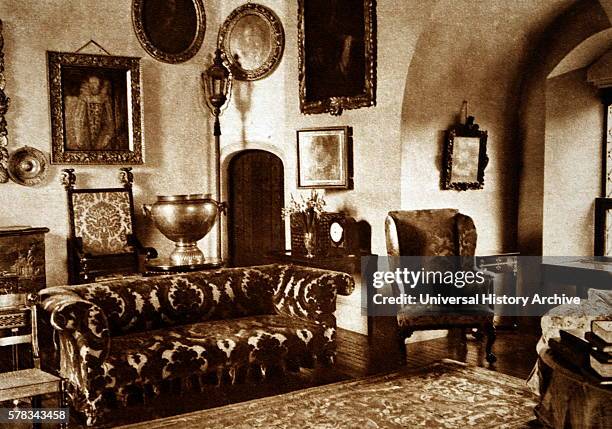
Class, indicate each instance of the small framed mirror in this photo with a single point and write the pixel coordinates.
(465, 157)
(252, 41)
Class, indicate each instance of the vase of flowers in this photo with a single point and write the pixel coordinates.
(307, 212)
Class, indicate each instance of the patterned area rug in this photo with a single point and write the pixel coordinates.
(444, 395)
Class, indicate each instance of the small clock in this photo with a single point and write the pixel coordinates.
(342, 233)
(336, 233)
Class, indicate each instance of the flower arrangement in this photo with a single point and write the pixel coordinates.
(308, 210)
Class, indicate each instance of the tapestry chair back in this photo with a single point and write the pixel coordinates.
(102, 225)
(103, 220)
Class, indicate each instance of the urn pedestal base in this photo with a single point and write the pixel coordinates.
(186, 254)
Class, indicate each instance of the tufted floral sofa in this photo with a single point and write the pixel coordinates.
(135, 333)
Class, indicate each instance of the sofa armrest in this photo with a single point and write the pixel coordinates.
(78, 321)
(310, 293)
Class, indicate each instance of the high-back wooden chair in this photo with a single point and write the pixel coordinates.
(102, 225)
(32, 382)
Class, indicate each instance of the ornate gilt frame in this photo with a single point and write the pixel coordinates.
(277, 35)
(131, 66)
(4, 106)
(470, 129)
(335, 105)
(156, 52)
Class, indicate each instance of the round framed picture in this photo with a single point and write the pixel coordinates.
(252, 41)
(171, 31)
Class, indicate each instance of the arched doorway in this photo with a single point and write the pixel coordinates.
(256, 197)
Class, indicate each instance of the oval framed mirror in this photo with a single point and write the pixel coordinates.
(171, 31)
(252, 41)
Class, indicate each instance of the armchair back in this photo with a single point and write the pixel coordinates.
(435, 232)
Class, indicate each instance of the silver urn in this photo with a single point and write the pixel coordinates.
(184, 219)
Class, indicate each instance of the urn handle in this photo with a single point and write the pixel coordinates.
(221, 206)
(146, 210)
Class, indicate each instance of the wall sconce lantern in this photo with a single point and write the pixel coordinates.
(217, 82)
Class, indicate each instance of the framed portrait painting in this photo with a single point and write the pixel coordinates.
(465, 157)
(324, 157)
(337, 55)
(95, 103)
(171, 31)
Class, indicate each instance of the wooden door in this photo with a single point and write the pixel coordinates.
(256, 197)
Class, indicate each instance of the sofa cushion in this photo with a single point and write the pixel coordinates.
(201, 348)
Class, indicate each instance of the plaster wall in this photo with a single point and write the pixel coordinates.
(572, 173)
(477, 56)
(569, 30)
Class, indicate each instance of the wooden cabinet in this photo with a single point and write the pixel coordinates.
(22, 262)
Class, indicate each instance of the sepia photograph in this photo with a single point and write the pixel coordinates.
(306, 214)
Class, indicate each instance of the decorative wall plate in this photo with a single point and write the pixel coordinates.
(252, 41)
(27, 166)
(170, 31)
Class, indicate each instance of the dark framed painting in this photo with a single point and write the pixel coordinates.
(95, 103)
(171, 31)
(337, 55)
(252, 41)
(465, 157)
(324, 158)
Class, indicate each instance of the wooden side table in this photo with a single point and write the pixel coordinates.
(505, 264)
(584, 273)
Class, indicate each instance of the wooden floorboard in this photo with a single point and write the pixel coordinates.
(515, 351)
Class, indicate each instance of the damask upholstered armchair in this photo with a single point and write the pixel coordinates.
(102, 240)
(446, 239)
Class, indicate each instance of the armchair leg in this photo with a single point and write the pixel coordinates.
(490, 330)
(401, 344)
